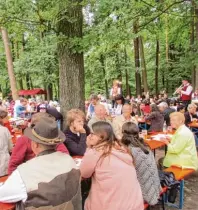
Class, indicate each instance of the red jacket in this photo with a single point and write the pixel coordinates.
(186, 97)
(22, 152)
(8, 126)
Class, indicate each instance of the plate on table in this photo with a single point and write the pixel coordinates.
(158, 137)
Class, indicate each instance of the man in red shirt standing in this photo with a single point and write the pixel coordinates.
(185, 92)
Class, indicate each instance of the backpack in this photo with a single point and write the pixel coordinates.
(167, 179)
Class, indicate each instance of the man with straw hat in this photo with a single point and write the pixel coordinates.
(51, 180)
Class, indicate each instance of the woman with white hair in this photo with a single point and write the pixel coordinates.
(191, 115)
(181, 149)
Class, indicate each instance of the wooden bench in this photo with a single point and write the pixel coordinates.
(180, 175)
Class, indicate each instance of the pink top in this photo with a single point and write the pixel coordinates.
(114, 181)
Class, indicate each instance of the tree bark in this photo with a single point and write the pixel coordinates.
(28, 81)
(192, 41)
(127, 74)
(137, 60)
(164, 72)
(49, 92)
(143, 62)
(8, 53)
(196, 28)
(71, 63)
(19, 75)
(104, 73)
(157, 67)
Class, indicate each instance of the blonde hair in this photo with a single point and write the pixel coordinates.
(179, 115)
(73, 114)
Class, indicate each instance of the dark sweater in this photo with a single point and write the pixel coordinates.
(157, 121)
(76, 144)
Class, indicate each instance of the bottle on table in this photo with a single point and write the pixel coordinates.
(164, 128)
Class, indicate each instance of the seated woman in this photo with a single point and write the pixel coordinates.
(22, 151)
(5, 143)
(190, 115)
(114, 180)
(181, 149)
(119, 102)
(181, 108)
(156, 118)
(76, 132)
(144, 162)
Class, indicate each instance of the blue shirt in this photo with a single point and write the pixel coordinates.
(20, 111)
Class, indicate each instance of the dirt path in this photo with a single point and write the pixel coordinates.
(190, 189)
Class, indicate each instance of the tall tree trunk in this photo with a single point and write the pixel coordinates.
(143, 62)
(49, 92)
(28, 81)
(157, 67)
(118, 65)
(71, 62)
(192, 41)
(19, 75)
(104, 74)
(126, 73)
(196, 27)
(137, 60)
(31, 83)
(167, 53)
(12, 79)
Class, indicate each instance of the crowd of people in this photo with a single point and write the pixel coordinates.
(121, 166)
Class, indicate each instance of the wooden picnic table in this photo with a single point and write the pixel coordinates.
(6, 206)
(155, 144)
(193, 125)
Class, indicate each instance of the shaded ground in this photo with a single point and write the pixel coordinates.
(191, 189)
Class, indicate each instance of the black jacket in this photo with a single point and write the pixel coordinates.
(76, 144)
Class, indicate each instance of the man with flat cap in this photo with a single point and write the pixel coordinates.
(51, 180)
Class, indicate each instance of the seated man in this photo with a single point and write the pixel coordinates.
(22, 151)
(100, 115)
(49, 180)
(20, 109)
(94, 100)
(166, 110)
(181, 148)
(119, 121)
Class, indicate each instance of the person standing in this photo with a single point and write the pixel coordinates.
(186, 92)
(5, 144)
(115, 90)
